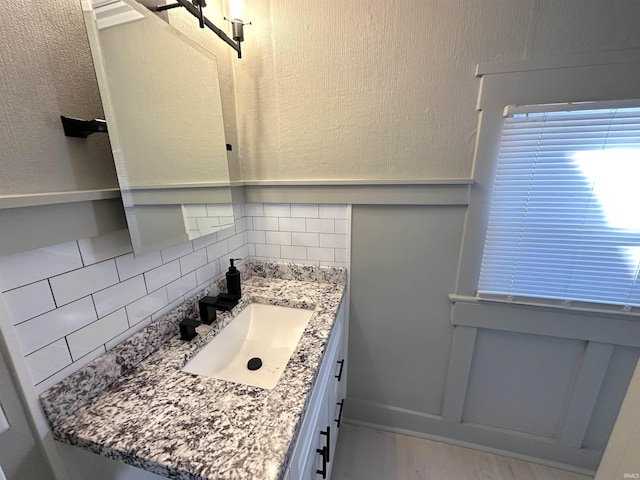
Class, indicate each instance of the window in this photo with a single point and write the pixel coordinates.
(564, 219)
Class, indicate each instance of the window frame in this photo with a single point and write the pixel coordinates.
(582, 80)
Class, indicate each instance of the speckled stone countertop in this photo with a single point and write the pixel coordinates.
(147, 413)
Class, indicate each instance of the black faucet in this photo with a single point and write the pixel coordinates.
(207, 307)
(188, 328)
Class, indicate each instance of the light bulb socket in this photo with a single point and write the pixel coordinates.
(237, 29)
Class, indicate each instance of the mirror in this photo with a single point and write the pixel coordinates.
(161, 101)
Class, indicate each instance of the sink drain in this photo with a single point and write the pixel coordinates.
(254, 364)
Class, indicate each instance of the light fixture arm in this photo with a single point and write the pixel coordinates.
(196, 11)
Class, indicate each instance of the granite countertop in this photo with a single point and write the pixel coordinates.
(147, 413)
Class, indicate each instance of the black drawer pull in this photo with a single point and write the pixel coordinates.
(339, 419)
(328, 445)
(323, 451)
(339, 375)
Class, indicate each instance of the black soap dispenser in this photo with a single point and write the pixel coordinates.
(233, 280)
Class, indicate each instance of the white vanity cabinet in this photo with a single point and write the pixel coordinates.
(314, 452)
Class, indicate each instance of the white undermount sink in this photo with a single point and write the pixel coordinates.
(268, 332)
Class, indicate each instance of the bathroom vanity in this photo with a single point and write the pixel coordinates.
(136, 405)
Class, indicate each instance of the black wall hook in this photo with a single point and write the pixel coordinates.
(75, 127)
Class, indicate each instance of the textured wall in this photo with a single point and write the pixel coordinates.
(365, 89)
(379, 89)
(46, 71)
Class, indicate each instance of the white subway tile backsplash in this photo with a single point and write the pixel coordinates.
(173, 253)
(238, 210)
(206, 224)
(115, 341)
(278, 238)
(87, 339)
(82, 275)
(195, 210)
(310, 262)
(226, 233)
(265, 223)
(256, 236)
(277, 210)
(115, 297)
(253, 209)
(105, 246)
(341, 226)
(193, 292)
(297, 253)
(68, 370)
(181, 286)
(29, 301)
(321, 254)
(204, 241)
(161, 276)
(35, 265)
(332, 211)
(333, 240)
(130, 266)
(320, 225)
(207, 272)
(237, 241)
(292, 224)
(194, 260)
(219, 210)
(240, 225)
(47, 361)
(146, 306)
(305, 239)
(304, 210)
(240, 253)
(217, 250)
(83, 281)
(49, 327)
(192, 223)
(268, 250)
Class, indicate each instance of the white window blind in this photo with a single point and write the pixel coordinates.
(564, 220)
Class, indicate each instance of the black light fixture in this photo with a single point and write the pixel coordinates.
(194, 7)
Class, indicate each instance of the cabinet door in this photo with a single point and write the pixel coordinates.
(315, 448)
(337, 389)
(317, 464)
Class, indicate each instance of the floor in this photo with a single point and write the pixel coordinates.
(367, 454)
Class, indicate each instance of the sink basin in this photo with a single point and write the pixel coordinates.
(268, 332)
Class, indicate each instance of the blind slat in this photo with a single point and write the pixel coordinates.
(562, 224)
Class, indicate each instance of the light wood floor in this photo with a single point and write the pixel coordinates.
(367, 454)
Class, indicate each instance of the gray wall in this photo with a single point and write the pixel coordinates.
(503, 377)
(20, 456)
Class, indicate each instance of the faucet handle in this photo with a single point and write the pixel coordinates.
(207, 308)
(188, 328)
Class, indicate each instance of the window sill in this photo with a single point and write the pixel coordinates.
(566, 322)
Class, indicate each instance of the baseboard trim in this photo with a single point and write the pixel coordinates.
(512, 443)
(469, 445)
